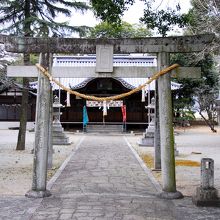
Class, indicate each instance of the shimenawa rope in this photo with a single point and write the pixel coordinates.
(109, 98)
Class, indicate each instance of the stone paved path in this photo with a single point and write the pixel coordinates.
(103, 180)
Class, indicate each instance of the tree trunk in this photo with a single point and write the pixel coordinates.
(208, 122)
(23, 110)
(24, 101)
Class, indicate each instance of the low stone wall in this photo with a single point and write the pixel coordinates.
(199, 122)
(14, 124)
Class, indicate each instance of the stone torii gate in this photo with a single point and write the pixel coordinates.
(161, 46)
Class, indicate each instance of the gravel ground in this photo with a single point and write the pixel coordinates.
(16, 166)
(193, 143)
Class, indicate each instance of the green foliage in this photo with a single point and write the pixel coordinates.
(209, 81)
(183, 116)
(37, 17)
(34, 58)
(197, 94)
(110, 10)
(163, 20)
(204, 16)
(124, 30)
(183, 98)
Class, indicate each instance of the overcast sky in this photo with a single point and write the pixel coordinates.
(132, 15)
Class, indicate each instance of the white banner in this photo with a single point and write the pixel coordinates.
(117, 103)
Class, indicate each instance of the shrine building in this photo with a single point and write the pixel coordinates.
(72, 116)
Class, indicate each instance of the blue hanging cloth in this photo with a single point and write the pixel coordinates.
(85, 116)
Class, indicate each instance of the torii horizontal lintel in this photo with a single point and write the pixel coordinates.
(175, 44)
(85, 71)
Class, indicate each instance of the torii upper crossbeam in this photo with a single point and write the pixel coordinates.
(175, 44)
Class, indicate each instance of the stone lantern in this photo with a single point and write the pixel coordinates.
(56, 110)
(59, 137)
(148, 136)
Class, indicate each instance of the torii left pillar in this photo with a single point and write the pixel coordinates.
(42, 135)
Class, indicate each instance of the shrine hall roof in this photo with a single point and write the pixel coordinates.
(129, 83)
(118, 60)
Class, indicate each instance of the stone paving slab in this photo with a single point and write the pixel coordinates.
(17, 207)
(103, 165)
(103, 180)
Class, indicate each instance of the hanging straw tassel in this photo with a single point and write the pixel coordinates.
(68, 99)
(104, 108)
(143, 95)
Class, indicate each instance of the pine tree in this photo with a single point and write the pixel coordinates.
(35, 18)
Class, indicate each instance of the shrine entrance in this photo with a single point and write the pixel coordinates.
(108, 118)
(101, 86)
(104, 49)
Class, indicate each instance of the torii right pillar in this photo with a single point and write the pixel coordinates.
(166, 132)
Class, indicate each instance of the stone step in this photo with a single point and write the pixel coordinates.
(61, 141)
(54, 129)
(104, 131)
(58, 134)
(105, 128)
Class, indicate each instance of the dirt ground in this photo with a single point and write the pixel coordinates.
(192, 143)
